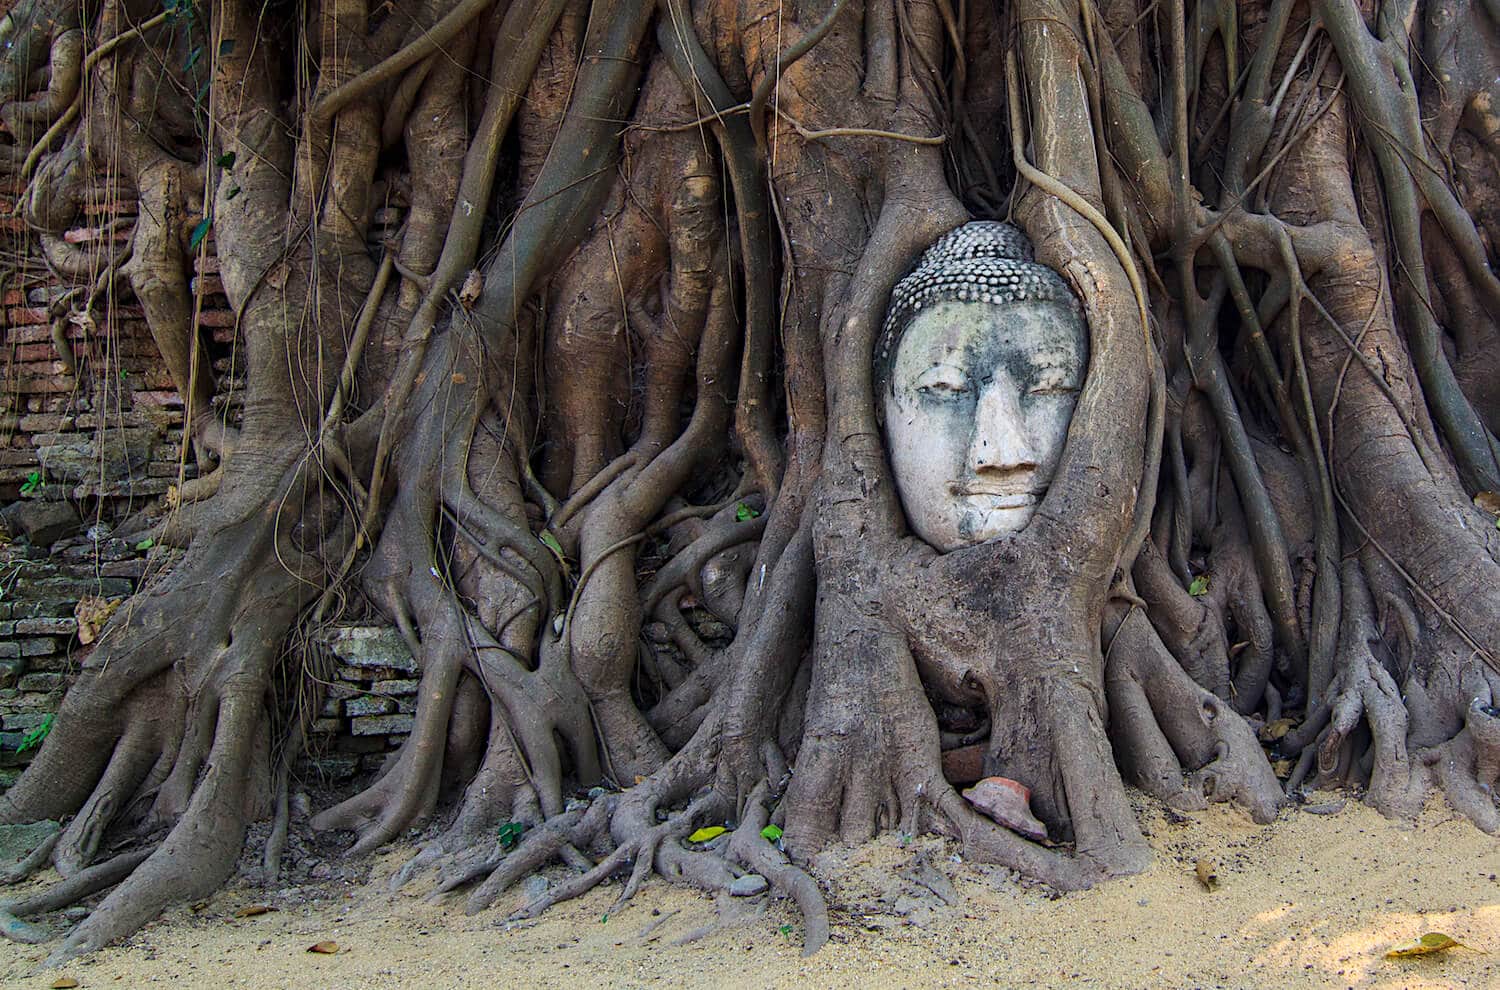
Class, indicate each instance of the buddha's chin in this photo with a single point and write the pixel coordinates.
(979, 525)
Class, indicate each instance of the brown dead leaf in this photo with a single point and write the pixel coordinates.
(472, 289)
(324, 948)
(251, 910)
(1275, 730)
(1208, 875)
(1488, 502)
(64, 983)
(1425, 946)
(92, 613)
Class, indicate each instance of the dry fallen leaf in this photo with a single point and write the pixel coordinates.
(1207, 874)
(251, 910)
(92, 613)
(472, 289)
(1275, 730)
(1425, 946)
(324, 948)
(64, 983)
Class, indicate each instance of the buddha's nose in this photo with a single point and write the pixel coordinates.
(1001, 441)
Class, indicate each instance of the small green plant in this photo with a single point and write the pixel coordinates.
(34, 483)
(200, 231)
(510, 834)
(34, 738)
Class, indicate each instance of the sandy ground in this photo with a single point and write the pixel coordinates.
(1310, 901)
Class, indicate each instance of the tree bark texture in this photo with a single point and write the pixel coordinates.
(594, 429)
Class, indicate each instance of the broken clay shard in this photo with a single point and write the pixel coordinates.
(1007, 802)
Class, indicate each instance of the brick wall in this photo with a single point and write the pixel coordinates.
(91, 442)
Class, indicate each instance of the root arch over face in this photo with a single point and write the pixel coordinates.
(591, 423)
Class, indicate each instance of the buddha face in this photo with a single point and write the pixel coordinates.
(977, 414)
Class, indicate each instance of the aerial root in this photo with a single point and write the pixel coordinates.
(750, 848)
(641, 845)
(1468, 766)
(60, 895)
(34, 861)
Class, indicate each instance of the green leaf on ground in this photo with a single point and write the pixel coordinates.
(707, 834)
(510, 834)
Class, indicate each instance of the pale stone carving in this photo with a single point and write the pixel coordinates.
(976, 373)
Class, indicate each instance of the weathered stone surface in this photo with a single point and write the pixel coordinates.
(11, 669)
(17, 841)
(41, 522)
(333, 767)
(748, 885)
(370, 646)
(395, 688)
(111, 455)
(22, 721)
(381, 725)
(368, 705)
(40, 682)
(60, 589)
(964, 765)
(60, 626)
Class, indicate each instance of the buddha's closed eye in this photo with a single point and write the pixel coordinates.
(942, 379)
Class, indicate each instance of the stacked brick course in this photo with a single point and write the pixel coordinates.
(91, 440)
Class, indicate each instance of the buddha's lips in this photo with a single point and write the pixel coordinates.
(995, 500)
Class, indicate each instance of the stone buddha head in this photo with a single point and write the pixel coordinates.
(977, 371)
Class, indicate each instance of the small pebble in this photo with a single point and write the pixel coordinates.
(535, 886)
(748, 885)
